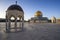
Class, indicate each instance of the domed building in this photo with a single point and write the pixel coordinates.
(17, 12)
(53, 19)
(38, 13)
(38, 17)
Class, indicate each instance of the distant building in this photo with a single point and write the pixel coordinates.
(57, 20)
(38, 17)
(2, 20)
(53, 20)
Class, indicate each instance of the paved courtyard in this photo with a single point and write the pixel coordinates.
(33, 31)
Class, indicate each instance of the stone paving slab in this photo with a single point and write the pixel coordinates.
(33, 31)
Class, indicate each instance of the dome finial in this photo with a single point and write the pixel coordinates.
(16, 2)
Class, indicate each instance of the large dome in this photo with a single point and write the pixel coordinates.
(38, 13)
(15, 7)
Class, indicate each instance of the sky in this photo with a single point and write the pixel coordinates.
(48, 8)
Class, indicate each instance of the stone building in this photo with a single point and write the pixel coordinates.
(53, 19)
(38, 17)
(58, 20)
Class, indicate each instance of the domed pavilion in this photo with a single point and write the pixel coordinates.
(17, 12)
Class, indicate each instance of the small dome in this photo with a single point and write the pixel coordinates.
(38, 13)
(53, 18)
(15, 7)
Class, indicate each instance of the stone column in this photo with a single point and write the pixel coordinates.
(22, 23)
(15, 24)
(6, 24)
(9, 25)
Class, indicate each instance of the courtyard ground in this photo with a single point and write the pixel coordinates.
(33, 31)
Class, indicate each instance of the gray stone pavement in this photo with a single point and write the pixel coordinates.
(33, 31)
